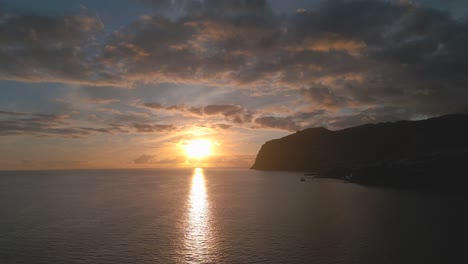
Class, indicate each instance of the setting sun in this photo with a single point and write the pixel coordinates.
(198, 148)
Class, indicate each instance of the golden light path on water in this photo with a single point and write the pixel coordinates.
(198, 238)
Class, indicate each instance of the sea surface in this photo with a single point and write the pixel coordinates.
(221, 216)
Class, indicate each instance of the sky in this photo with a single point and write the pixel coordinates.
(126, 84)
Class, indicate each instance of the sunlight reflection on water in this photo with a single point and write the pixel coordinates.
(221, 216)
(198, 240)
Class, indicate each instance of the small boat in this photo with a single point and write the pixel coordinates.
(310, 174)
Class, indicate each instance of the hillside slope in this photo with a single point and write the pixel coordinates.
(404, 153)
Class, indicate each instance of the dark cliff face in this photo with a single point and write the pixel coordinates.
(304, 150)
(422, 147)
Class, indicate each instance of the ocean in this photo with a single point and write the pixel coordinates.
(221, 216)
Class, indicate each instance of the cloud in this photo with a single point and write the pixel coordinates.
(221, 126)
(294, 122)
(102, 101)
(144, 159)
(7, 113)
(237, 115)
(60, 48)
(150, 128)
(330, 43)
(340, 54)
(17, 123)
(307, 116)
(370, 115)
(232, 113)
(243, 161)
(38, 124)
(218, 7)
(283, 123)
(218, 160)
(273, 118)
(58, 164)
(173, 160)
(324, 96)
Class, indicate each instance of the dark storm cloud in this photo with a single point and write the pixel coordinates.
(342, 54)
(232, 113)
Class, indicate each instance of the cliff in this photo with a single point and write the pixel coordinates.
(404, 153)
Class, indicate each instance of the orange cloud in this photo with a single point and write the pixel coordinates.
(330, 42)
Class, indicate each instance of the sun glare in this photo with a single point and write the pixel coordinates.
(198, 148)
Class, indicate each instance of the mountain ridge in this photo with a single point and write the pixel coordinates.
(402, 153)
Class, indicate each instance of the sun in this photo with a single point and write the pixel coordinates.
(198, 148)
